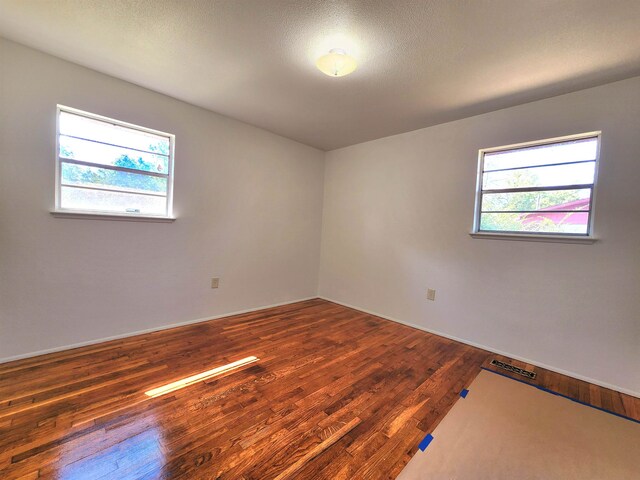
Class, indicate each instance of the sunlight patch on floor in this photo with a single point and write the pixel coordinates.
(185, 382)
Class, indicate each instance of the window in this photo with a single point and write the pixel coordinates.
(538, 188)
(108, 167)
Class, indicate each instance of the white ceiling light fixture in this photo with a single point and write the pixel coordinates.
(336, 63)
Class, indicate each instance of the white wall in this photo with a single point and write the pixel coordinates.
(249, 206)
(397, 212)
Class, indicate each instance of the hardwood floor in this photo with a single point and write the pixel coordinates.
(336, 394)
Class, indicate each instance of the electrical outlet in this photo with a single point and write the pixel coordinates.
(431, 294)
(215, 282)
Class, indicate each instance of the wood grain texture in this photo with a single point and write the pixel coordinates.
(337, 393)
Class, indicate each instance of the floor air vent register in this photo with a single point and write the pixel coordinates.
(512, 369)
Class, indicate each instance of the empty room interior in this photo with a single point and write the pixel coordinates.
(319, 239)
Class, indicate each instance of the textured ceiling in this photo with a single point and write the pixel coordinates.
(420, 62)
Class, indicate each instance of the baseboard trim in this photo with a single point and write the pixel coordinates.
(148, 330)
(492, 350)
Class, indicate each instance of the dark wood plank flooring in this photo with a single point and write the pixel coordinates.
(336, 394)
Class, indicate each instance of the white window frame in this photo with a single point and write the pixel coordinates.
(587, 238)
(97, 214)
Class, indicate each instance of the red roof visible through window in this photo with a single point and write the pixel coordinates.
(561, 217)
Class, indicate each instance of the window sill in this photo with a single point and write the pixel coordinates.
(534, 238)
(112, 216)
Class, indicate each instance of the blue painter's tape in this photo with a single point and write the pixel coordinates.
(561, 395)
(425, 442)
(464, 393)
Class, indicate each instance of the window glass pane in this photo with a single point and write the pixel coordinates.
(575, 174)
(111, 202)
(544, 201)
(105, 178)
(83, 127)
(88, 151)
(540, 222)
(572, 151)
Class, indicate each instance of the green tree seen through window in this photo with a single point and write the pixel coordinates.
(80, 174)
(523, 201)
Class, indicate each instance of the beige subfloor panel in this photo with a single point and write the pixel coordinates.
(504, 429)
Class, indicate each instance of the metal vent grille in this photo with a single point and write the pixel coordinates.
(511, 368)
